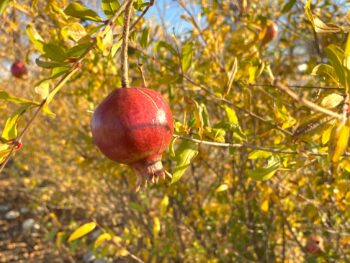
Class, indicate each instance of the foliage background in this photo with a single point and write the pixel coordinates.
(233, 204)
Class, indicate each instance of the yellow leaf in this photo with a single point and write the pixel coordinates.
(339, 141)
(82, 231)
(156, 226)
(123, 252)
(59, 238)
(164, 204)
(101, 238)
(345, 240)
(221, 188)
(265, 205)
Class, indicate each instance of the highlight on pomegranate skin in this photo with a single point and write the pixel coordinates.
(134, 126)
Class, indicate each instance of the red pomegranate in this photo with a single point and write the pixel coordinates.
(134, 126)
(270, 32)
(18, 69)
(314, 245)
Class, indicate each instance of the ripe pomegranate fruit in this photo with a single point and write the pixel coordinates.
(134, 126)
(314, 245)
(270, 32)
(18, 69)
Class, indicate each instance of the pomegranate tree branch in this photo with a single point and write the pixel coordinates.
(62, 80)
(150, 4)
(248, 145)
(307, 103)
(124, 54)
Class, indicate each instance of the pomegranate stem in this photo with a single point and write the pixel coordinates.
(124, 53)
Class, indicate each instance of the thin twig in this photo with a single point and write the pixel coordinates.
(139, 66)
(63, 79)
(308, 103)
(297, 86)
(150, 4)
(124, 54)
(248, 145)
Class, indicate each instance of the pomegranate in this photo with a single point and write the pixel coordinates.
(270, 32)
(314, 245)
(18, 69)
(134, 126)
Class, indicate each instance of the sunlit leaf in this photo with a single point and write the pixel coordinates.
(332, 100)
(109, 7)
(326, 71)
(186, 59)
(156, 226)
(79, 11)
(12, 99)
(144, 38)
(339, 141)
(183, 157)
(82, 231)
(10, 130)
(102, 238)
(3, 5)
(259, 154)
(266, 172)
(221, 188)
(35, 38)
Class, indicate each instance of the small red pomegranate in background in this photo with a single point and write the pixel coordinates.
(314, 245)
(134, 126)
(18, 69)
(270, 32)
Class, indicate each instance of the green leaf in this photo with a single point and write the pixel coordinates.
(144, 38)
(48, 64)
(186, 59)
(77, 50)
(336, 58)
(54, 52)
(288, 6)
(79, 11)
(58, 71)
(35, 38)
(82, 231)
(12, 99)
(109, 7)
(55, 90)
(116, 47)
(10, 130)
(324, 70)
(3, 5)
(167, 46)
(265, 173)
(184, 154)
(136, 207)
